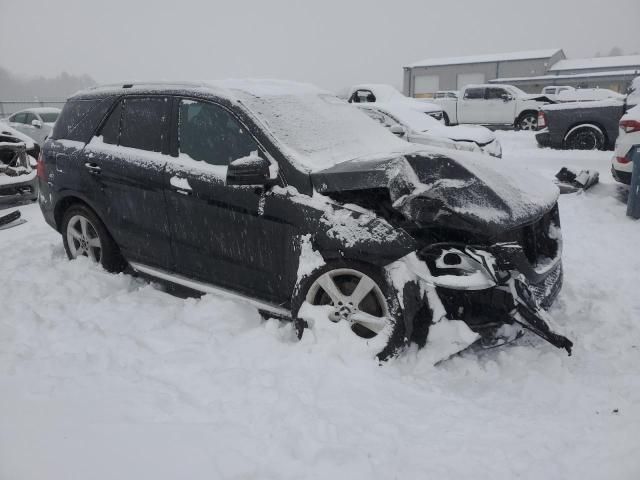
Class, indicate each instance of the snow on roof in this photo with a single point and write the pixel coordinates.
(597, 62)
(611, 73)
(494, 57)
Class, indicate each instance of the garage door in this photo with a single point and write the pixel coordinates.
(465, 79)
(426, 85)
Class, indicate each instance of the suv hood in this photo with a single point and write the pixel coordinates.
(463, 191)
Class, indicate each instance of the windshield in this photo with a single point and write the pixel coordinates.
(50, 117)
(415, 120)
(318, 130)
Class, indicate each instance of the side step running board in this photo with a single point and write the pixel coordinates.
(208, 288)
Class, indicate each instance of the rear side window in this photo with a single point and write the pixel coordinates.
(111, 129)
(209, 133)
(474, 93)
(143, 123)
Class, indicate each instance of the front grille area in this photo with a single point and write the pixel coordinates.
(547, 291)
(540, 240)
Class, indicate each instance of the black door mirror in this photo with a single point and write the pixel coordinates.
(250, 170)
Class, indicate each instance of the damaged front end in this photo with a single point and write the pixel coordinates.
(487, 241)
(17, 177)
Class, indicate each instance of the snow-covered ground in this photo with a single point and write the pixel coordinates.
(105, 376)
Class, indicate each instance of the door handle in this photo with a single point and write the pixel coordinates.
(181, 191)
(93, 168)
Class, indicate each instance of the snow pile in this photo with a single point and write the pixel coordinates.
(106, 376)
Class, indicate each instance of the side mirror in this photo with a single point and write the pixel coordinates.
(398, 130)
(249, 170)
(36, 123)
(506, 97)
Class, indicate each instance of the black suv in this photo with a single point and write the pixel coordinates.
(286, 197)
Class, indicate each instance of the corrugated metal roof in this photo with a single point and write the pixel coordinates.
(492, 57)
(597, 62)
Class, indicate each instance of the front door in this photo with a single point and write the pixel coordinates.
(124, 168)
(500, 106)
(220, 234)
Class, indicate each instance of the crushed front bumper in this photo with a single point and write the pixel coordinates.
(512, 292)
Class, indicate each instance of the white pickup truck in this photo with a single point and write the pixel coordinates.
(493, 104)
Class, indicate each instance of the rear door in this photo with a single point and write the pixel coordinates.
(221, 234)
(500, 106)
(124, 168)
(471, 107)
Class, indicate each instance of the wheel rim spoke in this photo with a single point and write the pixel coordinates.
(331, 289)
(94, 242)
(83, 226)
(375, 324)
(365, 285)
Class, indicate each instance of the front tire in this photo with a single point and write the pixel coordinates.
(84, 234)
(357, 294)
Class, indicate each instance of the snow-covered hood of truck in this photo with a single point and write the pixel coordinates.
(462, 191)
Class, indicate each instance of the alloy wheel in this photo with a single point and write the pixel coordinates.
(83, 238)
(529, 122)
(355, 298)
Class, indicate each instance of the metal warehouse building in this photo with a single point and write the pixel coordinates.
(531, 71)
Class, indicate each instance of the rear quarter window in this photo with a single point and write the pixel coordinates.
(80, 118)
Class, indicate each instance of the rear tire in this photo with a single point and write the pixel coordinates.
(360, 295)
(527, 121)
(585, 138)
(84, 234)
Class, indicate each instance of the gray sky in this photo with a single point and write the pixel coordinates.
(332, 43)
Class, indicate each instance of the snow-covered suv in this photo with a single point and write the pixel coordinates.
(288, 198)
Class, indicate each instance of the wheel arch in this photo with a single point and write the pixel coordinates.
(525, 112)
(66, 202)
(592, 125)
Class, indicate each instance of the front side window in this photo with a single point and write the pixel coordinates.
(495, 93)
(474, 93)
(30, 118)
(209, 133)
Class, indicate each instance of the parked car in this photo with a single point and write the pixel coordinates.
(580, 125)
(17, 161)
(633, 96)
(414, 127)
(283, 196)
(35, 122)
(376, 92)
(552, 92)
(629, 137)
(496, 105)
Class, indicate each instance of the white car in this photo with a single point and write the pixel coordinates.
(36, 123)
(417, 128)
(381, 93)
(629, 137)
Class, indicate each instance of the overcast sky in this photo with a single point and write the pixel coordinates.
(332, 43)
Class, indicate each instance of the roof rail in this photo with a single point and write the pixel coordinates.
(150, 84)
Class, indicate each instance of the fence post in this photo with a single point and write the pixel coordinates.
(633, 204)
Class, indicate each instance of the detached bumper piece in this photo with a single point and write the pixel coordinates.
(530, 315)
(570, 181)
